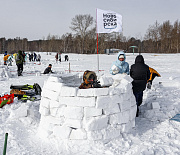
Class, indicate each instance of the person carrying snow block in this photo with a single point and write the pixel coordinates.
(140, 74)
(90, 80)
(19, 62)
(48, 69)
(120, 66)
(153, 74)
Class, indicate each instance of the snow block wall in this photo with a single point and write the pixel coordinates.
(70, 113)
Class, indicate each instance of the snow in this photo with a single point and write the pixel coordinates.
(153, 132)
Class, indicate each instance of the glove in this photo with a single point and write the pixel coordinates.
(115, 72)
(115, 69)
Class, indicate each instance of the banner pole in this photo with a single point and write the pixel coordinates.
(97, 55)
(97, 43)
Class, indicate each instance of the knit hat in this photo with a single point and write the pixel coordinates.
(121, 56)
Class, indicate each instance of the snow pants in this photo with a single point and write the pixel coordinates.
(19, 69)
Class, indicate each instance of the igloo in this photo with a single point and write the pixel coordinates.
(95, 114)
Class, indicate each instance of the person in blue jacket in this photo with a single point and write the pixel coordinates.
(120, 66)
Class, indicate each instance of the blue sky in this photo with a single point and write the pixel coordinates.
(35, 19)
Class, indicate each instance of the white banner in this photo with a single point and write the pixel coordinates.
(108, 21)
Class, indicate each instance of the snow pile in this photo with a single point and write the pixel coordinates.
(4, 73)
(96, 114)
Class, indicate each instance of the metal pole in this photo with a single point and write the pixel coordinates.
(97, 55)
(5, 144)
(69, 68)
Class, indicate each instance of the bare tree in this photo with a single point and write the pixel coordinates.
(80, 24)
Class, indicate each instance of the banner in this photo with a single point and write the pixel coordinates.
(108, 21)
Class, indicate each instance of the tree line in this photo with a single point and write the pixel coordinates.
(159, 38)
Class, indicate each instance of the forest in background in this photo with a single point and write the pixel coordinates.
(159, 38)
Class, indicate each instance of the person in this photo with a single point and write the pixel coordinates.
(39, 57)
(35, 56)
(89, 80)
(48, 69)
(66, 57)
(6, 58)
(10, 60)
(140, 74)
(59, 57)
(19, 62)
(120, 66)
(56, 56)
(153, 74)
(32, 57)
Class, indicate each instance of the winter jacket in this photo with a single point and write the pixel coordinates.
(122, 65)
(6, 57)
(140, 74)
(48, 70)
(153, 71)
(19, 58)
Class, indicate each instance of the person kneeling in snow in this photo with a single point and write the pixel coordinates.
(90, 80)
(120, 66)
(48, 69)
(153, 74)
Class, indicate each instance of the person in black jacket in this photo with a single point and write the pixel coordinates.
(140, 74)
(48, 69)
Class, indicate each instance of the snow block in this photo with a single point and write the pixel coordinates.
(133, 100)
(78, 134)
(45, 102)
(78, 101)
(54, 86)
(103, 102)
(101, 91)
(97, 123)
(73, 123)
(53, 112)
(44, 111)
(124, 105)
(112, 109)
(155, 105)
(95, 135)
(55, 104)
(53, 120)
(54, 79)
(90, 112)
(73, 112)
(120, 118)
(111, 133)
(52, 95)
(106, 81)
(86, 92)
(62, 132)
(133, 112)
(60, 112)
(68, 91)
(127, 127)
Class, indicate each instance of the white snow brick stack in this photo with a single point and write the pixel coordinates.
(70, 113)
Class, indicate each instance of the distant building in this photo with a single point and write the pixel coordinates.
(111, 51)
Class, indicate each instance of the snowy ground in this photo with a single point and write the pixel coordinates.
(154, 132)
